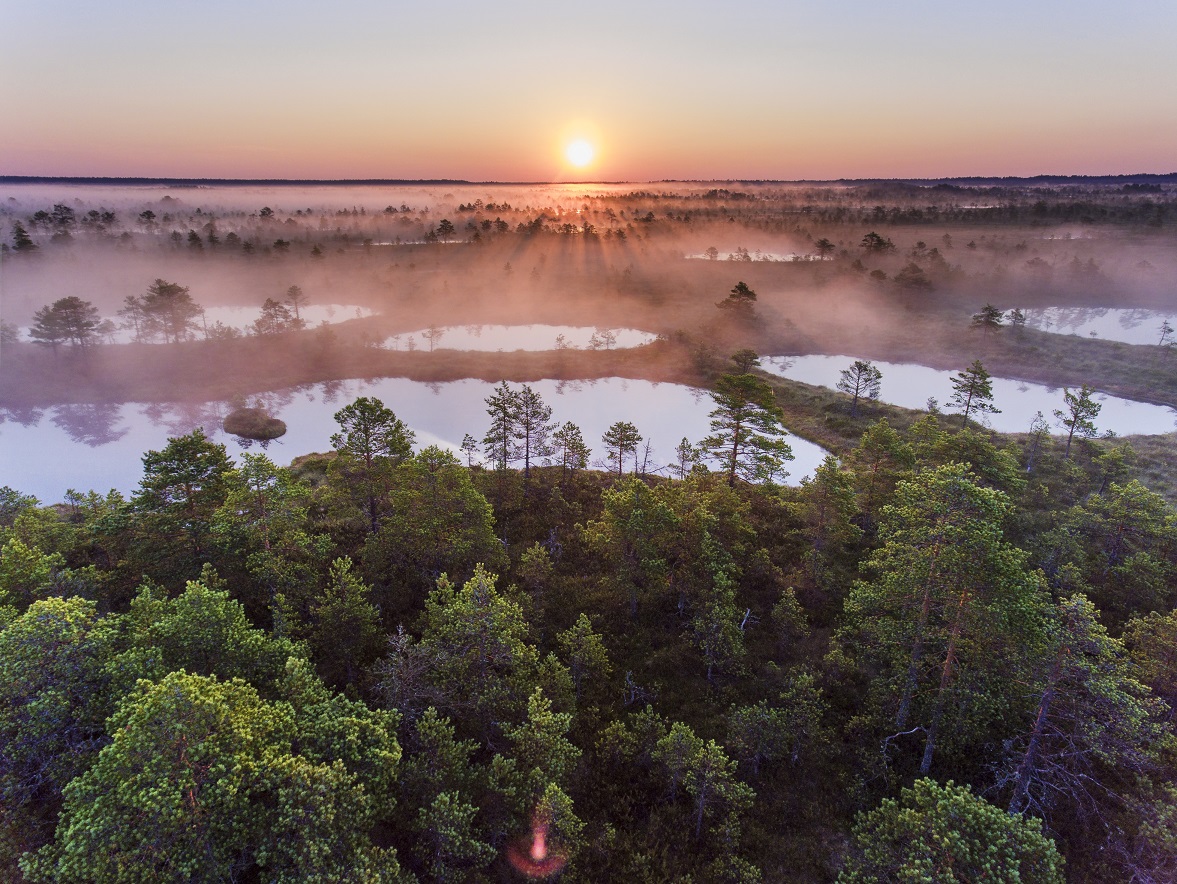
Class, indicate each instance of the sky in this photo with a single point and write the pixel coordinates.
(745, 89)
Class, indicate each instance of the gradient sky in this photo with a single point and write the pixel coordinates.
(492, 90)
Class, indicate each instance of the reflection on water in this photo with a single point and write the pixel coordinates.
(25, 415)
(179, 418)
(492, 338)
(45, 458)
(910, 386)
(90, 424)
(1129, 326)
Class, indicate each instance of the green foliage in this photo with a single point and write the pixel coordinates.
(442, 524)
(785, 731)
(541, 750)
(12, 504)
(881, 459)
(989, 318)
(202, 631)
(233, 760)
(372, 442)
(167, 310)
(1120, 545)
(1078, 418)
(265, 525)
(949, 611)
(746, 359)
(21, 241)
(473, 658)
(344, 630)
(746, 431)
(1092, 722)
(942, 834)
(26, 574)
(972, 392)
(876, 243)
(827, 509)
(55, 695)
(584, 653)
(739, 302)
(181, 489)
(201, 782)
(450, 846)
(500, 442)
(570, 449)
(1152, 642)
(862, 380)
(620, 439)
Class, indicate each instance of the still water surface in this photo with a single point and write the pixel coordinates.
(99, 447)
(493, 338)
(910, 386)
(1135, 326)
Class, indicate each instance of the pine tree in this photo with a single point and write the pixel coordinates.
(973, 392)
(949, 610)
(1078, 418)
(533, 427)
(862, 381)
(571, 449)
(1092, 720)
(946, 833)
(500, 442)
(747, 436)
(21, 241)
(620, 439)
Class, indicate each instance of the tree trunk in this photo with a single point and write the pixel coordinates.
(918, 648)
(1017, 803)
(945, 678)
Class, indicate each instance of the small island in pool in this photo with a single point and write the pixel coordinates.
(254, 423)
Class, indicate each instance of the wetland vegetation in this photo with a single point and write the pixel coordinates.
(419, 642)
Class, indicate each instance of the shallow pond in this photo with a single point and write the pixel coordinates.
(1135, 326)
(744, 255)
(494, 338)
(910, 386)
(98, 447)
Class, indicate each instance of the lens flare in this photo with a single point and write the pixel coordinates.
(533, 855)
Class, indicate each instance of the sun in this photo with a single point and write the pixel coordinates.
(579, 153)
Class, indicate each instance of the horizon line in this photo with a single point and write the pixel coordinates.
(171, 181)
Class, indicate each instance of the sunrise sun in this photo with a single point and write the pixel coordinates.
(579, 153)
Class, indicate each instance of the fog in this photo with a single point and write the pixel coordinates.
(887, 271)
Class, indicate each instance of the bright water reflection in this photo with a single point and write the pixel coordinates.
(1111, 324)
(46, 452)
(493, 338)
(910, 386)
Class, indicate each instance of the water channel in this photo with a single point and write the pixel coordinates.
(910, 385)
